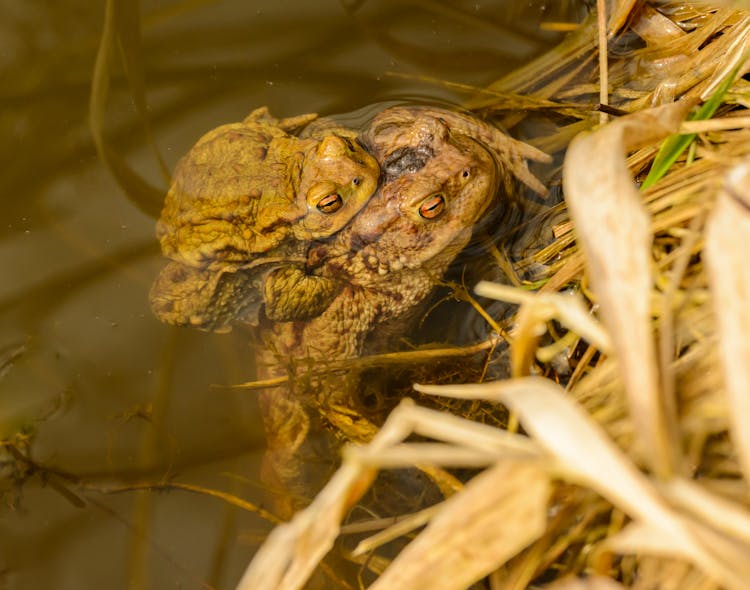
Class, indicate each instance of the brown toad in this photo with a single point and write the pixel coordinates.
(389, 259)
(392, 254)
(404, 139)
(244, 203)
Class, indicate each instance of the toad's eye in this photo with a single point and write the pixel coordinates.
(466, 173)
(432, 206)
(330, 203)
(356, 181)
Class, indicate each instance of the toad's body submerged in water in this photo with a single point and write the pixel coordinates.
(441, 170)
(244, 204)
(391, 256)
(389, 260)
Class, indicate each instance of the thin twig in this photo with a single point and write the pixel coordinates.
(390, 358)
(603, 75)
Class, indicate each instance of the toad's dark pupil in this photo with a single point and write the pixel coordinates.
(356, 181)
(330, 203)
(432, 207)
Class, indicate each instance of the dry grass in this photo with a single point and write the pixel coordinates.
(634, 469)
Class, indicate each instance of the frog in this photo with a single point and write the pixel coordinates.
(390, 258)
(405, 138)
(407, 234)
(243, 204)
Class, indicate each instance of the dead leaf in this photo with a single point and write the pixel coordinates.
(588, 457)
(614, 233)
(496, 515)
(727, 239)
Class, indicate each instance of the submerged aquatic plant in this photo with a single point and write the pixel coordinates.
(122, 32)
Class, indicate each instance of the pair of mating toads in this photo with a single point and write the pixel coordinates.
(326, 239)
(262, 223)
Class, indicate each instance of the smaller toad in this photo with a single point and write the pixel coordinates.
(243, 205)
(430, 157)
(389, 260)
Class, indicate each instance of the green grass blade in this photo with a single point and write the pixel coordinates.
(673, 146)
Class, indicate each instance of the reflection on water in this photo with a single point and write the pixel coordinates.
(91, 385)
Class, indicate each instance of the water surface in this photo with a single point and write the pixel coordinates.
(94, 392)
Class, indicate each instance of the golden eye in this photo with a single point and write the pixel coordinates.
(330, 203)
(356, 180)
(432, 206)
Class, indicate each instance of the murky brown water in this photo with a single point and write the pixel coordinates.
(98, 388)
